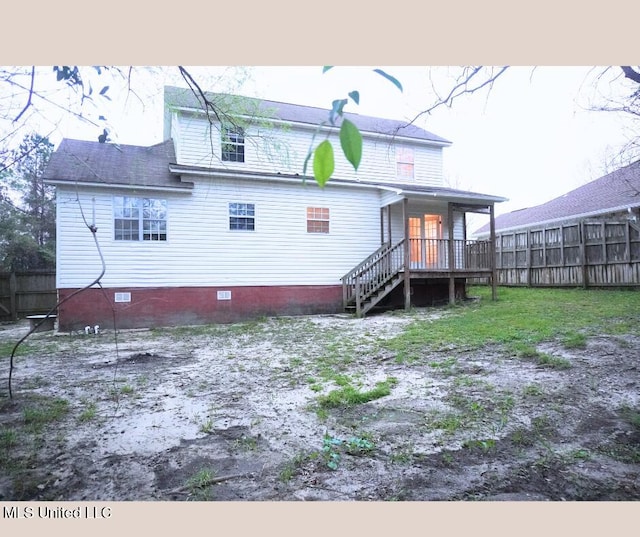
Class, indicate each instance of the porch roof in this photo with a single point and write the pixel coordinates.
(405, 190)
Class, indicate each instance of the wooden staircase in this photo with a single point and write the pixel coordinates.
(373, 279)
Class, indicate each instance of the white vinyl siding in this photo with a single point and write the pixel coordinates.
(284, 150)
(201, 250)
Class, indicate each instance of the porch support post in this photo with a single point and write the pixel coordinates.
(381, 226)
(451, 253)
(492, 252)
(389, 223)
(407, 255)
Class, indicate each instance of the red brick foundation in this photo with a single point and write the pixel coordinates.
(191, 305)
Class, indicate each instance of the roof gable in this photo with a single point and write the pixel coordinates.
(294, 113)
(612, 192)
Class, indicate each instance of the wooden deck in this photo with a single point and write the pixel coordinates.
(391, 265)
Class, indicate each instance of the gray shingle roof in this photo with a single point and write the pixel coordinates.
(610, 193)
(113, 164)
(185, 98)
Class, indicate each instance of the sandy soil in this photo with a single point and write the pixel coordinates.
(234, 413)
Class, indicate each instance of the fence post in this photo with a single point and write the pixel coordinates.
(13, 292)
(583, 256)
(529, 258)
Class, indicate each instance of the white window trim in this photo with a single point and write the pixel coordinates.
(255, 217)
(140, 219)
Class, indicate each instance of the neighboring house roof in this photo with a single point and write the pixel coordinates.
(313, 116)
(82, 162)
(614, 192)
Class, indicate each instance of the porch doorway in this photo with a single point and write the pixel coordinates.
(425, 232)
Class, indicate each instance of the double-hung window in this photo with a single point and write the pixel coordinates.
(317, 220)
(136, 219)
(232, 144)
(242, 216)
(404, 163)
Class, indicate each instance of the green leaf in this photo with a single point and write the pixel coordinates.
(355, 95)
(390, 78)
(336, 109)
(326, 68)
(351, 142)
(323, 162)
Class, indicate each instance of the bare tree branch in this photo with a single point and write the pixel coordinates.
(465, 84)
(630, 73)
(33, 77)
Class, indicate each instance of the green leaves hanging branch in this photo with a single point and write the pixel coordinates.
(351, 141)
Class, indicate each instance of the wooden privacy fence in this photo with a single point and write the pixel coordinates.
(26, 293)
(588, 254)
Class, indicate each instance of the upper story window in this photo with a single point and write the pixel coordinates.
(136, 219)
(242, 216)
(404, 163)
(232, 144)
(317, 220)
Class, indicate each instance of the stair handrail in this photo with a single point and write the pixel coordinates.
(354, 286)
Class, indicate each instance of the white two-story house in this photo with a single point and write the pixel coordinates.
(218, 224)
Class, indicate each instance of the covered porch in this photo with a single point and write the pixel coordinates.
(423, 239)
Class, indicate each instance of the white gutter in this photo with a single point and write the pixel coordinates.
(72, 184)
(232, 174)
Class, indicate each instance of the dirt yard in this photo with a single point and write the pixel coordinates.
(314, 408)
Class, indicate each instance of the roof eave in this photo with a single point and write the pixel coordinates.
(185, 187)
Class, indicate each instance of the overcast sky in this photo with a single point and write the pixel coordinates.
(530, 139)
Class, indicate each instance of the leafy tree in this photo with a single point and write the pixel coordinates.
(28, 217)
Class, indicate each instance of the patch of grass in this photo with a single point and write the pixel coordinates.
(574, 340)
(449, 423)
(446, 366)
(579, 454)
(6, 347)
(403, 456)
(199, 483)
(483, 445)
(553, 362)
(626, 453)
(348, 395)
(524, 350)
(207, 426)
(520, 319)
(44, 412)
(465, 381)
(8, 439)
(447, 459)
(89, 413)
(631, 415)
(292, 467)
(523, 437)
(246, 443)
(532, 390)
